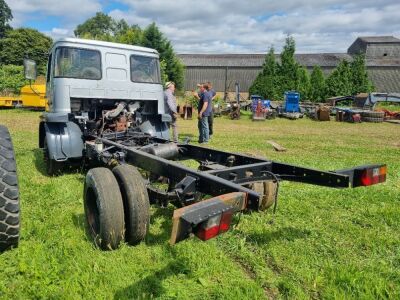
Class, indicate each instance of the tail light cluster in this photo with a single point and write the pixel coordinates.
(370, 176)
(208, 218)
(214, 226)
(373, 176)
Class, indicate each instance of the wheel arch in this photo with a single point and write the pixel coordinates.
(64, 140)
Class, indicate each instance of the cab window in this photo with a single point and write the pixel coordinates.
(144, 69)
(77, 63)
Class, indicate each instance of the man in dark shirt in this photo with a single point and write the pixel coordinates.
(204, 111)
(211, 117)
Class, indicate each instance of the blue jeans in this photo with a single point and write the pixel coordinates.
(203, 130)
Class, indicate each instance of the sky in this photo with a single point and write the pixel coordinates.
(225, 26)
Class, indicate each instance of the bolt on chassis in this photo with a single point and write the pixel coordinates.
(107, 109)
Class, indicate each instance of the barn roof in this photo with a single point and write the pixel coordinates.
(379, 39)
(257, 60)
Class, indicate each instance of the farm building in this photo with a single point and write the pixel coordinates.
(382, 60)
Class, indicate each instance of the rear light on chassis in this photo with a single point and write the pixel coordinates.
(214, 226)
(373, 176)
(206, 219)
(369, 175)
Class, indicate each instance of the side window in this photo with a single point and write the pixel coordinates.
(49, 68)
(144, 69)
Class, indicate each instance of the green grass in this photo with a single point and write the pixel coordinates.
(323, 243)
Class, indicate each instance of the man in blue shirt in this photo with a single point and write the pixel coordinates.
(211, 117)
(204, 111)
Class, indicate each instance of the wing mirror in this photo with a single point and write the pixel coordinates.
(30, 69)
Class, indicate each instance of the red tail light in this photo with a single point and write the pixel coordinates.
(373, 176)
(214, 226)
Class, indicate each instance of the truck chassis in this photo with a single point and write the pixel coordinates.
(230, 179)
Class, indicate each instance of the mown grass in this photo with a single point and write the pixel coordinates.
(322, 243)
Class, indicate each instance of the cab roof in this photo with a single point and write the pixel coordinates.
(104, 44)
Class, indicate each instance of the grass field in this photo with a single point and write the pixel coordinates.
(323, 244)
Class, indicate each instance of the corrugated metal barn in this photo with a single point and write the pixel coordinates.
(223, 70)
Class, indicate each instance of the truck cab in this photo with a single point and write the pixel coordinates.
(99, 87)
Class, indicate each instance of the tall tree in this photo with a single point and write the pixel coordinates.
(288, 67)
(303, 83)
(5, 17)
(25, 43)
(131, 36)
(101, 26)
(265, 82)
(339, 82)
(317, 92)
(359, 76)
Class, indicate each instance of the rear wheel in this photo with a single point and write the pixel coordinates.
(53, 167)
(268, 191)
(136, 203)
(104, 208)
(9, 196)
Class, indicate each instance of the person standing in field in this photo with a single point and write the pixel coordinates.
(171, 108)
(211, 117)
(204, 110)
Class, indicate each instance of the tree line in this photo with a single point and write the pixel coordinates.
(19, 43)
(348, 78)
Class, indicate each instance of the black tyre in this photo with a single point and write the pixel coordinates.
(53, 167)
(104, 208)
(268, 191)
(373, 114)
(374, 120)
(136, 203)
(9, 195)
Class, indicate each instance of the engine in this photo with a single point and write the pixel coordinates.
(101, 116)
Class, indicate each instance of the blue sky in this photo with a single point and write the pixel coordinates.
(226, 26)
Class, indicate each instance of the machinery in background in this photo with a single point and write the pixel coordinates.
(261, 108)
(291, 106)
(31, 96)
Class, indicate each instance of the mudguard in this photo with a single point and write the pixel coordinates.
(64, 140)
(156, 126)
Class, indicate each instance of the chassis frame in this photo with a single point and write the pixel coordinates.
(223, 175)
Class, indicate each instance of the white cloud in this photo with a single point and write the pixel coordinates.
(223, 26)
(253, 26)
(58, 33)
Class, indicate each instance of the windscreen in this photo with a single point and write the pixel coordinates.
(144, 69)
(77, 63)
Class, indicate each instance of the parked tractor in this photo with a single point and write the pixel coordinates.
(107, 112)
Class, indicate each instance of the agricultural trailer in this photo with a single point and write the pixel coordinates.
(107, 112)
